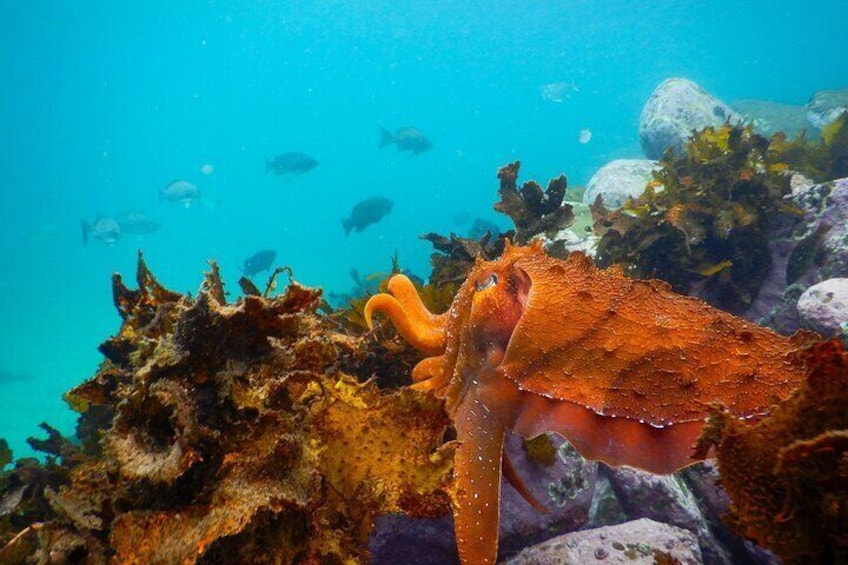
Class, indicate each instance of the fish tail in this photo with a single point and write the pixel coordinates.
(86, 229)
(347, 224)
(386, 137)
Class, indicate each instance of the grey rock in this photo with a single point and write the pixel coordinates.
(814, 250)
(565, 488)
(675, 109)
(667, 499)
(826, 105)
(824, 307)
(400, 539)
(619, 180)
(769, 117)
(640, 542)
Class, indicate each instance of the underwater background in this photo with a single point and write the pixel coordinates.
(106, 103)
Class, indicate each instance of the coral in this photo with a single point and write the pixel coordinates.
(228, 433)
(703, 223)
(787, 475)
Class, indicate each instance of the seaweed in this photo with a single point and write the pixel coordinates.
(787, 475)
(703, 222)
(822, 160)
(226, 433)
(533, 211)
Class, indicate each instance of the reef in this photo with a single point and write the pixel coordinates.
(787, 475)
(226, 433)
(703, 222)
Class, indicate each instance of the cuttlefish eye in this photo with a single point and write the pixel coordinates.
(488, 282)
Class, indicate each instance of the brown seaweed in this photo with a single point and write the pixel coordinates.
(227, 433)
(533, 211)
(787, 475)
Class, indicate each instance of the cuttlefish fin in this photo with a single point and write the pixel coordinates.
(476, 491)
(511, 475)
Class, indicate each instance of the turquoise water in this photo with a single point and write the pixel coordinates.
(104, 103)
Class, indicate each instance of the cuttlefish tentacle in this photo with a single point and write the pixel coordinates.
(418, 329)
(477, 487)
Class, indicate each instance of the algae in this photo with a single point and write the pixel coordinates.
(703, 222)
(226, 433)
(787, 475)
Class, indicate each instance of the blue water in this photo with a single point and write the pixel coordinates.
(103, 103)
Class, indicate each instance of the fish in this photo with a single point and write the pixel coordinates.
(369, 211)
(585, 136)
(104, 228)
(137, 223)
(291, 163)
(558, 91)
(405, 139)
(480, 227)
(626, 370)
(180, 191)
(258, 262)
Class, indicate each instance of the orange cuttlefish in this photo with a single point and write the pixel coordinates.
(625, 370)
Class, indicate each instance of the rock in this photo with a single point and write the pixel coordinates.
(803, 257)
(824, 307)
(826, 209)
(675, 109)
(619, 180)
(640, 542)
(400, 539)
(769, 117)
(826, 105)
(565, 488)
(664, 498)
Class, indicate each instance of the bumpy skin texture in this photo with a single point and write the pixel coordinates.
(625, 370)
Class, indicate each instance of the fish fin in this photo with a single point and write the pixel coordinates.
(476, 492)
(347, 224)
(518, 484)
(86, 229)
(386, 137)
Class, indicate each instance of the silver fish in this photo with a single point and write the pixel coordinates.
(181, 191)
(137, 223)
(104, 228)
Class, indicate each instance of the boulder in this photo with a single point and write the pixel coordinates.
(769, 117)
(640, 542)
(824, 307)
(802, 256)
(675, 109)
(826, 105)
(619, 180)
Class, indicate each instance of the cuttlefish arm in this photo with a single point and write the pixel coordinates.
(413, 321)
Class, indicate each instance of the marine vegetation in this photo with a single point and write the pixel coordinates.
(226, 433)
(703, 222)
(824, 160)
(533, 211)
(623, 369)
(787, 475)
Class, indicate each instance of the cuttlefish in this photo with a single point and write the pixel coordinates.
(626, 370)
